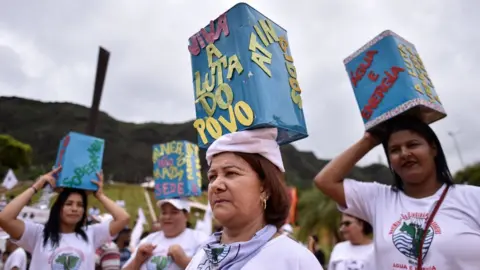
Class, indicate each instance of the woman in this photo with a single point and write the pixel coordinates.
(171, 248)
(356, 253)
(250, 200)
(423, 199)
(63, 241)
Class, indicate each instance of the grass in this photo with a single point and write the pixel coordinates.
(132, 194)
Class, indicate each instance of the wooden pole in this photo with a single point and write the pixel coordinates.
(102, 65)
(150, 205)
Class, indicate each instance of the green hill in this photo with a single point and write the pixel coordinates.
(128, 147)
(133, 195)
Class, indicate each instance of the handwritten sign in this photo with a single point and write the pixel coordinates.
(244, 77)
(81, 158)
(389, 78)
(176, 170)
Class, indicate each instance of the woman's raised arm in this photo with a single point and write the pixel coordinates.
(330, 179)
(8, 217)
(120, 216)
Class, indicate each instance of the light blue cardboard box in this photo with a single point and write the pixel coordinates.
(176, 170)
(389, 78)
(244, 77)
(81, 158)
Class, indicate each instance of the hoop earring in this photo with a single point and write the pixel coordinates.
(264, 203)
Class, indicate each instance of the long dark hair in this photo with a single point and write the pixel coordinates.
(413, 124)
(52, 227)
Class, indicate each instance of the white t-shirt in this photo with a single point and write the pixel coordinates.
(346, 256)
(453, 240)
(18, 259)
(190, 240)
(280, 253)
(72, 250)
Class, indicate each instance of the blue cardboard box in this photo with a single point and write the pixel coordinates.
(176, 170)
(81, 158)
(389, 78)
(244, 77)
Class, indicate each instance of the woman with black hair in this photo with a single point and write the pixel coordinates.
(424, 221)
(63, 242)
(356, 252)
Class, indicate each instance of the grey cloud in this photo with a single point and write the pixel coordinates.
(149, 77)
(11, 72)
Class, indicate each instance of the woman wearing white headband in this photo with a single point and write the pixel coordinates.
(250, 200)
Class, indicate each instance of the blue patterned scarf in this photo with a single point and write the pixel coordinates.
(234, 256)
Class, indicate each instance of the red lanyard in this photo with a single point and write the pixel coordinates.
(425, 231)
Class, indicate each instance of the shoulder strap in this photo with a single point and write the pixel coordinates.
(425, 230)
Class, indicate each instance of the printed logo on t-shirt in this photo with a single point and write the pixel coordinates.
(159, 262)
(354, 265)
(67, 258)
(406, 236)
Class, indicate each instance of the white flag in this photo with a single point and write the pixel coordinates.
(10, 180)
(137, 229)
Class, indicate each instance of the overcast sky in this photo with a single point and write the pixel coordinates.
(48, 52)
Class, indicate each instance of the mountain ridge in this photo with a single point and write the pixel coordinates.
(128, 146)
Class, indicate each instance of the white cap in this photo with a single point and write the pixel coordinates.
(260, 141)
(177, 203)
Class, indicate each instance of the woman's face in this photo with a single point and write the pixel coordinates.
(173, 221)
(234, 190)
(411, 156)
(350, 227)
(73, 209)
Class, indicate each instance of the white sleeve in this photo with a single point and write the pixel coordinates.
(101, 233)
(31, 235)
(361, 198)
(468, 198)
(18, 259)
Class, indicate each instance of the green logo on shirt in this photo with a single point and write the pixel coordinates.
(407, 233)
(159, 263)
(66, 261)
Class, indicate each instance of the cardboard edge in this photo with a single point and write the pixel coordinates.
(403, 108)
(374, 41)
(239, 5)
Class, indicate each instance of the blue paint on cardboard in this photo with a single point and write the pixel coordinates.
(176, 170)
(81, 157)
(272, 93)
(389, 78)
